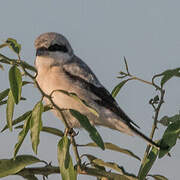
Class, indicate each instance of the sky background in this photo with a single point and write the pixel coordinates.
(101, 33)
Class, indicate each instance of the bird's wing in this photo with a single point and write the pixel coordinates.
(77, 70)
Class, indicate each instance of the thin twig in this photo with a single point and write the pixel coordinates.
(154, 127)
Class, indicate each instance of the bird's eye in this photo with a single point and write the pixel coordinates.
(57, 47)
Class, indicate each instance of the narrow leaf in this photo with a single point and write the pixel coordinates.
(27, 66)
(10, 110)
(158, 177)
(4, 94)
(36, 125)
(11, 166)
(12, 43)
(169, 138)
(168, 74)
(18, 120)
(15, 80)
(23, 117)
(95, 161)
(114, 147)
(117, 88)
(22, 135)
(54, 131)
(168, 120)
(93, 133)
(146, 166)
(65, 161)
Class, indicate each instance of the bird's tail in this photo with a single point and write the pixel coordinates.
(147, 139)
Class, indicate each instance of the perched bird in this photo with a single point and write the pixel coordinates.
(60, 69)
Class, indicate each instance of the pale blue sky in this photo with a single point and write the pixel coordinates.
(101, 33)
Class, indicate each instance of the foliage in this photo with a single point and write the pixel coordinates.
(32, 121)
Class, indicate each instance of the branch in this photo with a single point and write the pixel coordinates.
(48, 170)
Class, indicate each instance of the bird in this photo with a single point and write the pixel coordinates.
(58, 68)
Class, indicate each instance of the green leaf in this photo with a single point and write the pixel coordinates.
(49, 130)
(15, 80)
(36, 125)
(114, 147)
(26, 82)
(65, 161)
(22, 135)
(168, 74)
(169, 138)
(168, 120)
(12, 43)
(11, 166)
(23, 117)
(47, 108)
(28, 66)
(10, 110)
(149, 161)
(93, 133)
(18, 120)
(54, 131)
(117, 88)
(4, 94)
(81, 101)
(95, 161)
(158, 177)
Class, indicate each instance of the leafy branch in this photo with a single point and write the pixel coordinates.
(33, 122)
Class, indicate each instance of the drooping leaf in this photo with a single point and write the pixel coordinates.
(117, 88)
(10, 110)
(168, 74)
(22, 134)
(158, 177)
(149, 161)
(18, 120)
(65, 161)
(11, 166)
(15, 80)
(51, 130)
(93, 133)
(6, 60)
(168, 120)
(169, 138)
(23, 117)
(4, 94)
(114, 147)
(96, 161)
(28, 66)
(12, 43)
(36, 125)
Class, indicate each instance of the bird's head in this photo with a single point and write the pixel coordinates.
(51, 42)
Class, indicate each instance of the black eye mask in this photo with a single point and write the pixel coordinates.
(55, 47)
